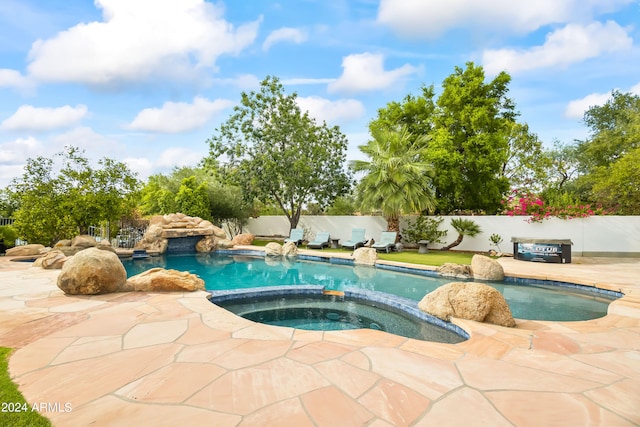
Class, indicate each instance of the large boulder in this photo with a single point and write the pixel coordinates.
(449, 269)
(473, 301)
(83, 241)
(52, 260)
(162, 280)
(217, 231)
(92, 271)
(105, 245)
(207, 244)
(273, 249)
(365, 256)
(243, 239)
(289, 249)
(483, 267)
(224, 243)
(26, 250)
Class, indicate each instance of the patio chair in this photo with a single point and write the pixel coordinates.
(357, 239)
(321, 241)
(387, 241)
(296, 235)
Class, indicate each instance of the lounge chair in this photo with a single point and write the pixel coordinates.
(357, 239)
(296, 236)
(387, 241)
(321, 241)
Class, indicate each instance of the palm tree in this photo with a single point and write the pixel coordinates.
(464, 227)
(397, 178)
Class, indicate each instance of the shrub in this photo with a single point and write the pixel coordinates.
(424, 228)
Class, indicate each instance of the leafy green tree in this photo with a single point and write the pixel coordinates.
(343, 205)
(416, 113)
(606, 159)
(474, 143)
(527, 164)
(8, 236)
(469, 145)
(275, 153)
(192, 199)
(8, 203)
(614, 131)
(52, 207)
(619, 185)
(225, 203)
(396, 179)
(464, 227)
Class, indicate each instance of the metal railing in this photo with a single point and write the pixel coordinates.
(6, 221)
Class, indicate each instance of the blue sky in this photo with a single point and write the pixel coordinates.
(148, 81)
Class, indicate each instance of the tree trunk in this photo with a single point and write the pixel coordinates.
(393, 224)
(454, 244)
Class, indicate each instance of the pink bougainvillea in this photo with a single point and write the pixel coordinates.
(528, 204)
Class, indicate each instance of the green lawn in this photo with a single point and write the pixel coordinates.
(15, 411)
(434, 257)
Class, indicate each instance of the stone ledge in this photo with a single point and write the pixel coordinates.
(185, 232)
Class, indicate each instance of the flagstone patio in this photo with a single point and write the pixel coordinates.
(176, 359)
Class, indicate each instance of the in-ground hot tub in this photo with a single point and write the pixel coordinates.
(312, 308)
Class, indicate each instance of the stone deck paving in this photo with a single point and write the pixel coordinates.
(176, 359)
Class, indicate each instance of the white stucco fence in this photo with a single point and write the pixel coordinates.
(593, 236)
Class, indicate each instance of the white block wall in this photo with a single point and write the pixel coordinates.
(593, 236)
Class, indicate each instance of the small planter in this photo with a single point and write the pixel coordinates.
(422, 246)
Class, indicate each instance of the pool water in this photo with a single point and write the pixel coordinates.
(224, 272)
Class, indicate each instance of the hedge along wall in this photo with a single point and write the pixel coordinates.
(594, 236)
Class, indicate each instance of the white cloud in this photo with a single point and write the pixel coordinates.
(139, 39)
(242, 81)
(31, 118)
(14, 155)
(307, 81)
(570, 44)
(179, 156)
(175, 117)
(96, 144)
(285, 34)
(365, 72)
(141, 165)
(419, 18)
(576, 108)
(16, 152)
(333, 112)
(13, 79)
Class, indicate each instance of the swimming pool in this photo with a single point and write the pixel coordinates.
(224, 271)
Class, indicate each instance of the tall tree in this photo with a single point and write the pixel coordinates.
(608, 157)
(278, 154)
(527, 163)
(614, 131)
(396, 179)
(469, 145)
(192, 199)
(475, 145)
